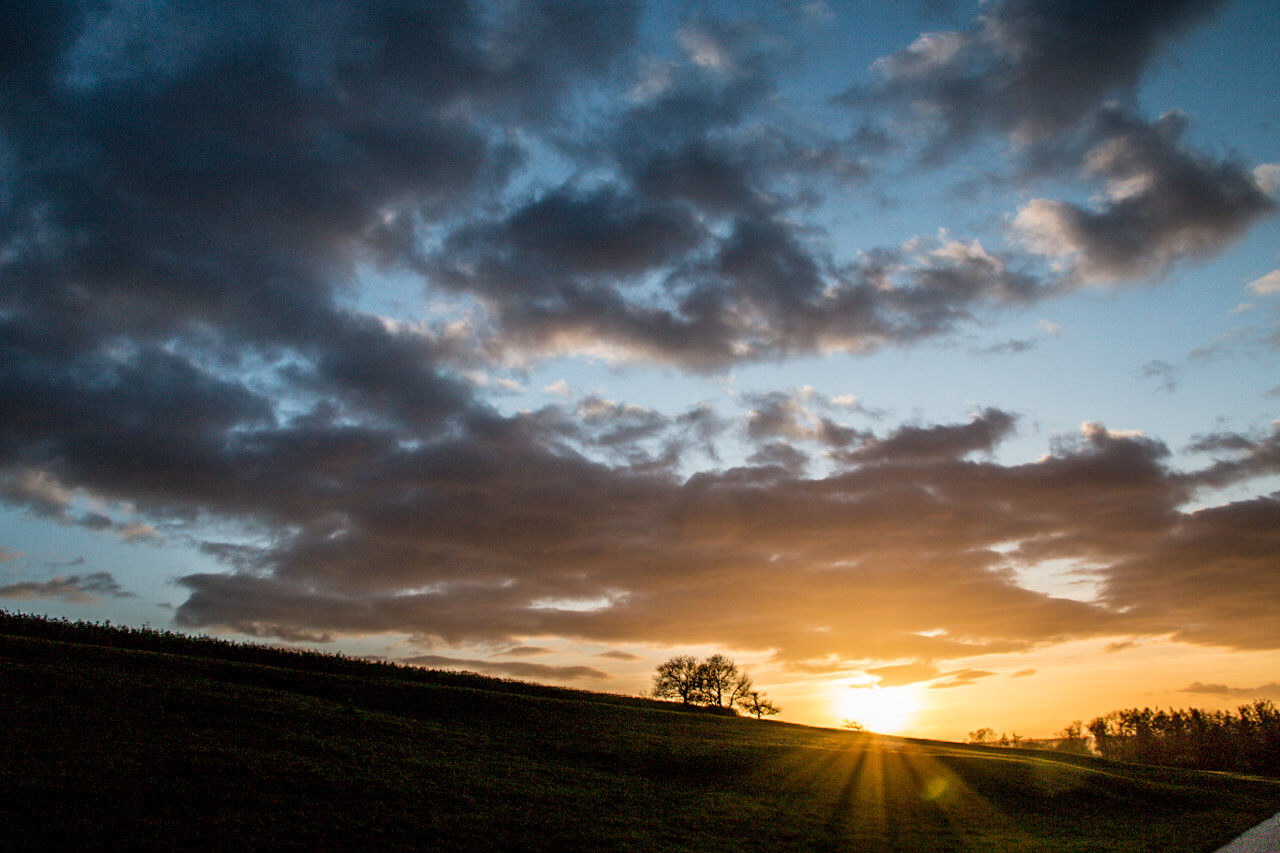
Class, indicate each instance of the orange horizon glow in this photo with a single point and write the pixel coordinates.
(886, 710)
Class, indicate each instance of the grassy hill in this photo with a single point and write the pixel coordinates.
(148, 740)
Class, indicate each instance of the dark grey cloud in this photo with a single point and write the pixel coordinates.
(760, 288)
(1165, 204)
(495, 541)
(1173, 581)
(1029, 68)
(797, 416)
(192, 195)
(81, 589)
(514, 669)
(986, 430)
(1059, 80)
(209, 183)
(1237, 457)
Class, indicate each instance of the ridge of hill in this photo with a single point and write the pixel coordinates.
(110, 740)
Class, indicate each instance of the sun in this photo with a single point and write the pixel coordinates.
(888, 710)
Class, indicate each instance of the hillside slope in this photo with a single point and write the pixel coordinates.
(104, 746)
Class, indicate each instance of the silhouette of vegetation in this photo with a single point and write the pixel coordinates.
(679, 678)
(986, 736)
(149, 639)
(1072, 739)
(757, 704)
(853, 725)
(110, 745)
(1246, 741)
(716, 683)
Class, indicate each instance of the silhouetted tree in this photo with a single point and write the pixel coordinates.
(1247, 741)
(853, 725)
(757, 703)
(1073, 739)
(718, 675)
(715, 681)
(679, 678)
(742, 685)
(982, 735)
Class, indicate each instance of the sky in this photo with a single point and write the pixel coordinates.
(919, 356)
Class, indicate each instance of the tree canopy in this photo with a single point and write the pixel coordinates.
(715, 682)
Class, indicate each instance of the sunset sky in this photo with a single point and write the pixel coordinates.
(920, 356)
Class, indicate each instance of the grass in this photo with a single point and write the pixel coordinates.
(107, 745)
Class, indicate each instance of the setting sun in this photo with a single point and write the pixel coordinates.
(888, 710)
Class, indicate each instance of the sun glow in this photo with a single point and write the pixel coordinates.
(888, 710)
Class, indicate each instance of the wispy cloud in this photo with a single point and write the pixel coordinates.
(1263, 691)
(82, 589)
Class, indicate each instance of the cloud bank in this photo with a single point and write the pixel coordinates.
(195, 201)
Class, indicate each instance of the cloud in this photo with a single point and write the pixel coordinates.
(138, 532)
(1164, 373)
(195, 203)
(1169, 584)
(560, 388)
(898, 675)
(81, 589)
(1270, 690)
(615, 654)
(1010, 347)
(526, 651)
(797, 416)
(513, 669)
(653, 286)
(1238, 456)
(984, 431)
(1268, 177)
(1266, 285)
(908, 543)
(1023, 673)
(37, 490)
(6, 555)
(961, 678)
(1164, 204)
(1027, 68)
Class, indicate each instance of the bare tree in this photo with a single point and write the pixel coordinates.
(719, 674)
(679, 678)
(853, 725)
(742, 685)
(757, 703)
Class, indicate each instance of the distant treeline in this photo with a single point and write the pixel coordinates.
(171, 642)
(1244, 741)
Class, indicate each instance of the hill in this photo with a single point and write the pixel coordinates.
(148, 739)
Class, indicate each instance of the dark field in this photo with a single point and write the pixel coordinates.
(108, 746)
